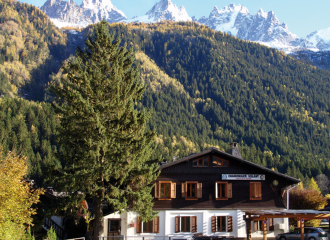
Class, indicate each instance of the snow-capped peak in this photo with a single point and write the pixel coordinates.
(163, 10)
(96, 4)
(262, 13)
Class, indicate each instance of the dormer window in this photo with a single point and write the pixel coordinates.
(201, 162)
(219, 162)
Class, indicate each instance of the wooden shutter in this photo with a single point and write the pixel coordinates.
(216, 190)
(229, 190)
(194, 224)
(173, 190)
(138, 225)
(199, 190)
(214, 223)
(271, 224)
(183, 190)
(230, 223)
(255, 191)
(258, 190)
(156, 225)
(157, 190)
(177, 224)
(255, 226)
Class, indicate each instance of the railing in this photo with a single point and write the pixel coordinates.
(48, 223)
(121, 237)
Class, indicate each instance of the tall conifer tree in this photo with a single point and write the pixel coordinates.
(103, 139)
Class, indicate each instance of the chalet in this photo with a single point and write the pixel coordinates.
(209, 194)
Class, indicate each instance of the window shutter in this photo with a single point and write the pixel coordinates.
(139, 225)
(216, 190)
(229, 190)
(214, 223)
(177, 224)
(183, 190)
(230, 223)
(157, 190)
(255, 226)
(194, 224)
(252, 191)
(271, 224)
(173, 190)
(199, 190)
(156, 225)
(258, 190)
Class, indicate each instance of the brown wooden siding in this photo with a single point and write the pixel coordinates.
(182, 172)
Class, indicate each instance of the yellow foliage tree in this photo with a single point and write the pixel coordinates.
(16, 196)
(313, 185)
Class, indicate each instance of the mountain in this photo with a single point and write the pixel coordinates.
(204, 88)
(319, 40)
(69, 14)
(163, 10)
(264, 28)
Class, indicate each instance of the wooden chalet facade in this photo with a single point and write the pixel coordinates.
(208, 194)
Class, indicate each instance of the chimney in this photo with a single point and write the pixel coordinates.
(233, 150)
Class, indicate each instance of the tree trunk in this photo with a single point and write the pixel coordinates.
(98, 221)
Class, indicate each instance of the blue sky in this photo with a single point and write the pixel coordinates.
(301, 16)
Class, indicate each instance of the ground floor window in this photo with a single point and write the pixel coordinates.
(186, 224)
(151, 226)
(222, 224)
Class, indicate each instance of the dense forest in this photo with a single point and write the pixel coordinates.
(204, 88)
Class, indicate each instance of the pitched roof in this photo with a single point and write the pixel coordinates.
(216, 150)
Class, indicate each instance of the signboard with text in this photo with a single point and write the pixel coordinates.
(243, 177)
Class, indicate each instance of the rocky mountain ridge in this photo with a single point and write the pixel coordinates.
(264, 28)
(69, 14)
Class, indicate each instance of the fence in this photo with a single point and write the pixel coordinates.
(135, 238)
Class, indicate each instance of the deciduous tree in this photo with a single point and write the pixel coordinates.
(104, 143)
(16, 196)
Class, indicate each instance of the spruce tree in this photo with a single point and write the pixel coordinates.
(104, 143)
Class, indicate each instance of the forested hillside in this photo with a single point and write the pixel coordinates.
(204, 88)
(31, 48)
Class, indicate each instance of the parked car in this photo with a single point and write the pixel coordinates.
(310, 233)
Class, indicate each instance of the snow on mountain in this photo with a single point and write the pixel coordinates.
(163, 10)
(97, 10)
(263, 27)
(65, 13)
(319, 40)
(68, 13)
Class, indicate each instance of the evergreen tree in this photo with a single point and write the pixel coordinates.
(104, 143)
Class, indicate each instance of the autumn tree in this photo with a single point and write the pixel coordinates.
(16, 196)
(103, 139)
(307, 198)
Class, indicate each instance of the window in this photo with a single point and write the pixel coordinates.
(222, 224)
(255, 191)
(202, 162)
(223, 190)
(219, 162)
(148, 227)
(165, 190)
(186, 224)
(191, 190)
(258, 225)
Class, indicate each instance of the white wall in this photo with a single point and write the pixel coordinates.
(204, 224)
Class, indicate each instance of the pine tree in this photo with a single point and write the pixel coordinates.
(104, 143)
